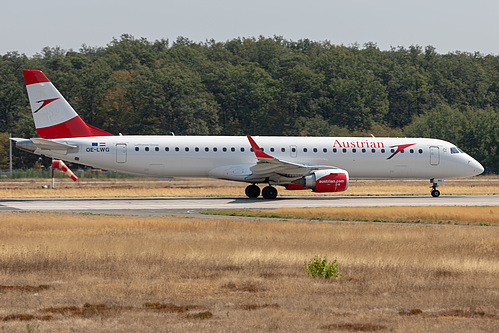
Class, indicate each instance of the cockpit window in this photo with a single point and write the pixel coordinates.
(455, 150)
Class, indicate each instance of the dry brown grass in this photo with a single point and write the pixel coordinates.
(433, 214)
(142, 187)
(148, 274)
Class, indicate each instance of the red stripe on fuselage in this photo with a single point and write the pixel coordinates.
(72, 128)
(32, 77)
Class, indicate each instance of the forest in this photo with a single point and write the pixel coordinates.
(263, 86)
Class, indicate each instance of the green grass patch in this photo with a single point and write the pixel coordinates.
(356, 214)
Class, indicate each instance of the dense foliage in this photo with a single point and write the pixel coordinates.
(265, 86)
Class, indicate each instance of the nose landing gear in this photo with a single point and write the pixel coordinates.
(434, 192)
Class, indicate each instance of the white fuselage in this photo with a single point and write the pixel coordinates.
(230, 157)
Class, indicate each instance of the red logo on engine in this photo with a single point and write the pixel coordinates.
(333, 182)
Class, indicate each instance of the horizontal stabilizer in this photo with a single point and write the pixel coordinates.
(51, 145)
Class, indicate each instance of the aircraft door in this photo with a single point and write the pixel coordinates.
(434, 156)
(121, 153)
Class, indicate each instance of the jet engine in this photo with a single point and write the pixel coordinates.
(327, 180)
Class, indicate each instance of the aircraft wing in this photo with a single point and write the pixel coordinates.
(269, 168)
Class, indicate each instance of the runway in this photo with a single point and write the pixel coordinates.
(189, 205)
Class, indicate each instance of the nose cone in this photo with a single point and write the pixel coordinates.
(477, 167)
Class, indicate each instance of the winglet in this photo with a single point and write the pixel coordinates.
(258, 151)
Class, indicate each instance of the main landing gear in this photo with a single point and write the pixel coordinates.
(268, 192)
(252, 191)
(434, 192)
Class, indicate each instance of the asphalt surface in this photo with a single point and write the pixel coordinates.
(188, 205)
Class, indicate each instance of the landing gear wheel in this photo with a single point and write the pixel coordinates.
(252, 191)
(269, 192)
(435, 193)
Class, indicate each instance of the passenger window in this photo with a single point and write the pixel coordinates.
(324, 150)
(224, 149)
(411, 151)
(156, 148)
(232, 149)
(147, 148)
(315, 150)
(383, 151)
(215, 149)
(392, 150)
(363, 150)
(283, 150)
(402, 151)
(186, 148)
(206, 149)
(335, 150)
(344, 150)
(167, 148)
(272, 150)
(373, 150)
(177, 149)
(196, 148)
(305, 150)
(354, 150)
(136, 148)
(420, 151)
(242, 149)
(293, 150)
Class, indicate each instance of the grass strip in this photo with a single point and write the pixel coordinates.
(472, 215)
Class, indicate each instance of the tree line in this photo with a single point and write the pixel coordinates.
(264, 86)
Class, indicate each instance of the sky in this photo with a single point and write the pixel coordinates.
(448, 25)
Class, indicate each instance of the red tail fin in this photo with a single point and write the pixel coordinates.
(54, 117)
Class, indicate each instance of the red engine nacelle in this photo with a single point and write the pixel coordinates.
(328, 180)
(295, 187)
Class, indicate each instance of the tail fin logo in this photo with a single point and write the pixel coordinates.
(45, 103)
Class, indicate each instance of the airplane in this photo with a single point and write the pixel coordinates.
(322, 164)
